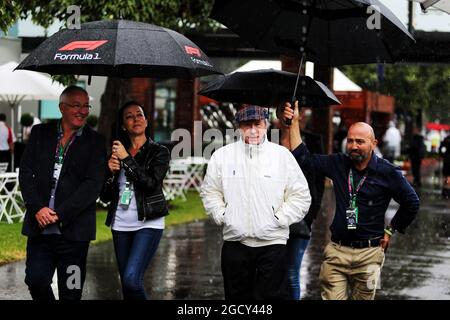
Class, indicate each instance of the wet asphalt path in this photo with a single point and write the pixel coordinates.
(187, 263)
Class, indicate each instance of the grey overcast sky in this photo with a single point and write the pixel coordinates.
(433, 20)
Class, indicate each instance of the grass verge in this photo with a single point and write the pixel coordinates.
(13, 243)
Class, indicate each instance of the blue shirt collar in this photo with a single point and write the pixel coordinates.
(373, 162)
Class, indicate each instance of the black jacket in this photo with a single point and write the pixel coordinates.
(79, 185)
(417, 148)
(146, 171)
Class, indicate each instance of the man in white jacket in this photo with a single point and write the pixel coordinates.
(255, 189)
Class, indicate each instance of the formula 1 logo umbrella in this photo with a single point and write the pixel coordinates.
(268, 87)
(120, 48)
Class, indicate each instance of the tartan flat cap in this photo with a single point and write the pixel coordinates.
(251, 112)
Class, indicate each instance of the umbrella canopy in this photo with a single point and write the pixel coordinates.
(24, 85)
(332, 32)
(437, 126)
(443, 5)
(268, 88)
(18, 86)
(120, 48)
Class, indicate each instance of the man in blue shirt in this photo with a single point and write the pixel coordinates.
(364, 185)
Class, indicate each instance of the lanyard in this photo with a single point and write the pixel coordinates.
(61, 151)
(351, 187)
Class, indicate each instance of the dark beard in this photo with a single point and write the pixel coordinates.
(357, 157)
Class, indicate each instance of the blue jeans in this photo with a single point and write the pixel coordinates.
(296, 248)
(134, 251)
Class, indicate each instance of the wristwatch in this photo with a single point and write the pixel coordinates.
(389, 230)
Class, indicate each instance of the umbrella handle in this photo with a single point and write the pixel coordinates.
(289, 121)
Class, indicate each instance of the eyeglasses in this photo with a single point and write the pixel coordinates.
(77, 106)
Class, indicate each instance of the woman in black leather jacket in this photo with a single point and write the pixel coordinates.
(137, 167)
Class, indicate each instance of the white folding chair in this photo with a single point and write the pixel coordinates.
(176, 180)
(196, 172)
(11, 201)
(173, 187)
(3, 167)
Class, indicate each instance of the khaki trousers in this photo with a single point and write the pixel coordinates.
(347, 269)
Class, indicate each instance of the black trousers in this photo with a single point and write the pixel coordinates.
(5, 156)
(415, 168)
(254, 273)
(45, 253)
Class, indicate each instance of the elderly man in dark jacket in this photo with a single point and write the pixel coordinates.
(61, 176)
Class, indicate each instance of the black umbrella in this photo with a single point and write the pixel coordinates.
(119, 48)
(331, 32)
(268, 88)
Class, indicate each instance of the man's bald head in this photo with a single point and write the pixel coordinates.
(363, 129)
(360, 143)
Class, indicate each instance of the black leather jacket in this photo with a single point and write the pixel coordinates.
(146, 171)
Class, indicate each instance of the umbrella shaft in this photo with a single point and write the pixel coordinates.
(305, 40)
(289, 121)
(298, 77)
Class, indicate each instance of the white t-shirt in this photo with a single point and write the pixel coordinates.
(4, 133)
(127, 219)
(393, 138)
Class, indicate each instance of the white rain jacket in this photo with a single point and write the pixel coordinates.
(255, 192)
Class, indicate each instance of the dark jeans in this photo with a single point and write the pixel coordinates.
(134, 251)
(45, 253)
(254, 272)
(296, 248)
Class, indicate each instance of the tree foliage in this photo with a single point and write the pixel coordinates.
(9, 12)
(179, 15)
(415, 87)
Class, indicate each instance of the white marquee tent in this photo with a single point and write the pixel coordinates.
(340, 81)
